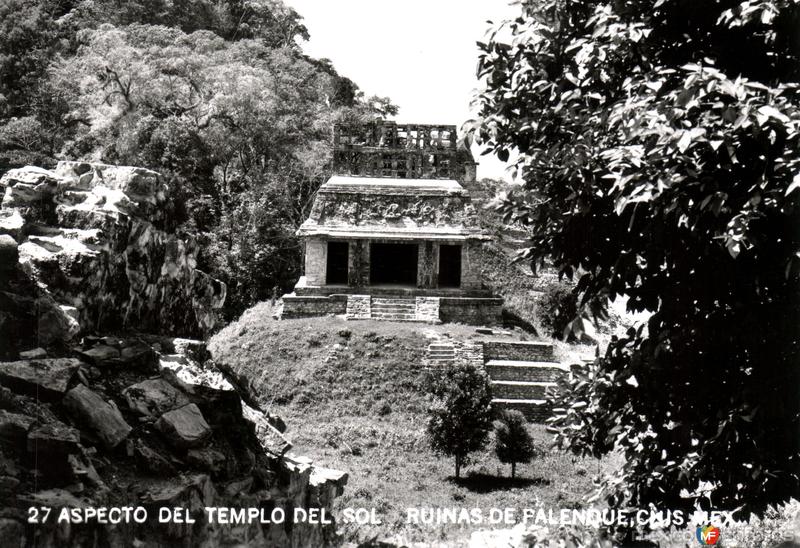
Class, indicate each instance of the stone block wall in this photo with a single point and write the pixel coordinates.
(359, 307)
(427, 309)
(471, 311)
(468, 353)
(520, 351)
(306, 306)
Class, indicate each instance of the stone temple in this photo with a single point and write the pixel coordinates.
(393, 234)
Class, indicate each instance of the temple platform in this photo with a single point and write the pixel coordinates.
(408, 304)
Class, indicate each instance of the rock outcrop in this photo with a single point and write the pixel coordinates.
(135, 421)
(160, 430)
(101, 251)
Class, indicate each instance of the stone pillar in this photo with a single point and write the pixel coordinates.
(316, 261)
(358, 265)
(471, 259)
(427, 262)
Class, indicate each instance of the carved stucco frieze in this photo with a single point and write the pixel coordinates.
(436, 211)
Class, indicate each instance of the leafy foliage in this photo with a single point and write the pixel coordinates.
(513, 442)
(658, 142)
(556, 309)
(460, 421)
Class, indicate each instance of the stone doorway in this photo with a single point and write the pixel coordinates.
(336, 268)
(449, 266)
(393, 264)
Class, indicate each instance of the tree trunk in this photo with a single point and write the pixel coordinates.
(513, 470)
(458, 466)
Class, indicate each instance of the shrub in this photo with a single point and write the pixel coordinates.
(556, 308)
(513, 442)
(460, 420)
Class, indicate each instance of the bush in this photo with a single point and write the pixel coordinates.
(460, 420)
(513, 442)
(556, 308)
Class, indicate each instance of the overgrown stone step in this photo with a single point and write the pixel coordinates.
(434, 346)
(518, 350)
(395, 317)
(441, 353)
(516, 370)
(534, 410)
(393, 309)
(520, 389)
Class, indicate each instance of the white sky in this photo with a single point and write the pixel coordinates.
(420, 53)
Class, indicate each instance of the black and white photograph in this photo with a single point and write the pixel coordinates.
(418, 274)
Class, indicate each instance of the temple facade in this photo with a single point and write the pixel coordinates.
(393, 233)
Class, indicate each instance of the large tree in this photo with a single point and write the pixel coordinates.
(242, 127)
(658, 145)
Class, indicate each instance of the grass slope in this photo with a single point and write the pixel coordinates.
(353, 395)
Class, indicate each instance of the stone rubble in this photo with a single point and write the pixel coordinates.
(176, 435)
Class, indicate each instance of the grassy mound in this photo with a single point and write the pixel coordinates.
(353, 396)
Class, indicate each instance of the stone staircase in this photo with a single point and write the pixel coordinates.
(520, 374)
(396, 309)
(440, 352)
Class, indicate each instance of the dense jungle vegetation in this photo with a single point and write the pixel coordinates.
(214, 94)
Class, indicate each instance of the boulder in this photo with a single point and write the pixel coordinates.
(139, 354)
(269, 437)
(192, 493)
(183, 493)
(11, 222)
(154, 397)
(83, 470)
(54, 324)
(101, 356)
(135, 182)
(102, 418)
(184, 427)
(150, 461)
(54, 442)
(27, 186)
(9, 253)
(14, 430)
(33, 354)
(208, 460)
(46, 379)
